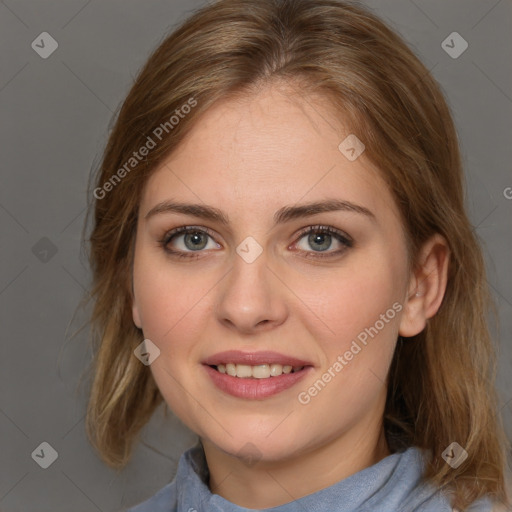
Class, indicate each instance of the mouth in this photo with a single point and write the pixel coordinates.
(255, 375)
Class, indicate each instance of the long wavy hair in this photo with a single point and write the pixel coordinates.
(441, 382)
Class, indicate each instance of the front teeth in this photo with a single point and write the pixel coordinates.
(261, 371)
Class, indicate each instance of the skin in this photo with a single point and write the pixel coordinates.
(249, 157)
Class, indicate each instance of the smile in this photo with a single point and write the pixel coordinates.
(260, 371)
(255, 375)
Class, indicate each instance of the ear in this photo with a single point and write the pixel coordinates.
(135, 309)
(136, 313)
(427, 286)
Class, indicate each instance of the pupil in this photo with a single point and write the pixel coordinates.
(318, 238)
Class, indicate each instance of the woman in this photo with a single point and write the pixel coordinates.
(281, 253)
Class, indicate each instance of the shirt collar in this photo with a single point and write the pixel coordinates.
(389, 485)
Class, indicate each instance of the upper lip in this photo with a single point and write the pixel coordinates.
(254, 358)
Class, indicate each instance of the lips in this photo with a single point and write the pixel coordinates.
(254, 359)
(255, 375)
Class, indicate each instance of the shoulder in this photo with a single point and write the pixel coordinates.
(423, 496)
(163, 501)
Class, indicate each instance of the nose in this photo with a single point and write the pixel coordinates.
(251, 297)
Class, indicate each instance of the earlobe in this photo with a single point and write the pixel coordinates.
(427, 286)
(136, 315)
(135, 309)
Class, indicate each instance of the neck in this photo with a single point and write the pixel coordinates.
(267, 484)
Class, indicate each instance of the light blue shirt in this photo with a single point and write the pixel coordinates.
(392, 485)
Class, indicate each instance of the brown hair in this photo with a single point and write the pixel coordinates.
(441, 382)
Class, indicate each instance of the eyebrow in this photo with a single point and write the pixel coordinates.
(284, 214)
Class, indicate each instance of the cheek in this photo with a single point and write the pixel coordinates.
(167, 298)
(355, 329)
(346, 304)
(172, 307)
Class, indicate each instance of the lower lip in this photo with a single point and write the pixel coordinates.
(255, 389)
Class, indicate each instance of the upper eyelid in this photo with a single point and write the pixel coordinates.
(321, 227)
(183, 230)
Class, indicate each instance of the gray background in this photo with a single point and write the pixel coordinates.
(55, 115)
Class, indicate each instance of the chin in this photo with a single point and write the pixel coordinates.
(252, 445)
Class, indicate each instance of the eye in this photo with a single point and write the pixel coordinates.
(190, 241)
(321, 239)
(183, 241)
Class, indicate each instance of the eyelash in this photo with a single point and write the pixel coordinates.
(342, 237)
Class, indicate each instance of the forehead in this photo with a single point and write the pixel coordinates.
(264, 150)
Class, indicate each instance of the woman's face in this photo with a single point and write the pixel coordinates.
(263, 288)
